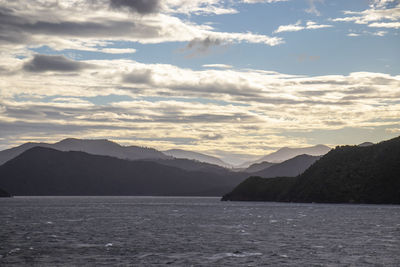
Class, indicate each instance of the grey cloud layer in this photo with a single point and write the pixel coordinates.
(140, 6)
(85, 24)
(42, 63)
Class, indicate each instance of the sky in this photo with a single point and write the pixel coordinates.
(233, 79)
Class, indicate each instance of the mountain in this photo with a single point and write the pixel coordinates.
(194, 165)
(97, 147)
(4, 193)
(288, 153)
(255, 167)
(347, 174)
(46, 171)
(291, 167)
(366, 144)
(184, 154)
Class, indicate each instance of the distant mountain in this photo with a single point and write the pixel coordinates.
(184, 154)
(366, 144)
(97, 147)
(291, 167)
(255, 167)
(4, 193)
(288, 153)
(46, 171)
(347, 174)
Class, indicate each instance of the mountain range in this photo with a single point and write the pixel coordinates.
(39, 169)
(346, 174)
(46, 171)
(97, 147)
(286, 153)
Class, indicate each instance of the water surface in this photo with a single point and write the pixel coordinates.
(57, 231)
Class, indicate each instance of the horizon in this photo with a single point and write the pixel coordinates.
(231, 79)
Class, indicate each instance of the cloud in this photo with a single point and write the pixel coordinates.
(171, 106)
(262, 1)
(143, 76)
(313, 7)
(118, 50)
(98, 26)
(139, 6)
(352, 34)
(381, 14)
(394, 25)
(290, 28)
(310, 25)
(221, 66)
(212, 136)
(43, 63)
(356, 34)
(201, 45)
(198, 7)
(393, 130)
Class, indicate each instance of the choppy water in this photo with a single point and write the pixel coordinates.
(146, 231)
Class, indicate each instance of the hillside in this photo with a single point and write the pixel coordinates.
(4, 193)
(256, 167)
(291, 167)
(45, 171)
(347, 174)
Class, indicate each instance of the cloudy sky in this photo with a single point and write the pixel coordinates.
(235, 79)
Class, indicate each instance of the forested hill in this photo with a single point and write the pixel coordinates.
(347, 174)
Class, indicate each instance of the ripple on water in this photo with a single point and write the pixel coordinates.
(203, 231)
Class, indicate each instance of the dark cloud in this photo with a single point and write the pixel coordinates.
(139, 6)
(18, 29)
(212, 136)
(42, 63)
(316, 92)
(138, 76)
(361, 90)
(202, 45)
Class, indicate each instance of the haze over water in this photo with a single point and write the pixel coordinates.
(52, 231)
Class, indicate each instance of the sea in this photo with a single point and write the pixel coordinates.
(194, 231)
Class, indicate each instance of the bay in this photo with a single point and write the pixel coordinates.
(190, 231)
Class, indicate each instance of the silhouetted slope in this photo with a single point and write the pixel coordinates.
(97, 147)
(256, 167)
(193, 165)
(4, 193)
(347, 174)
(290, 168)
(44, 171)
(261, 189)
(184, 154)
